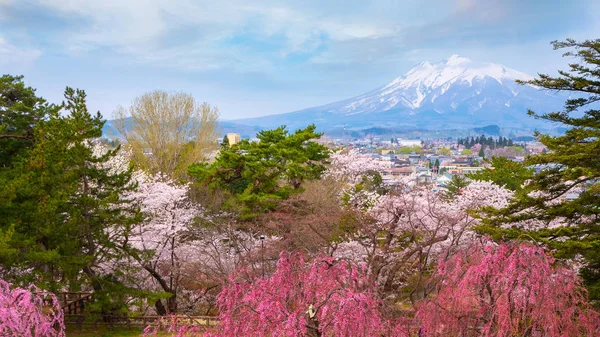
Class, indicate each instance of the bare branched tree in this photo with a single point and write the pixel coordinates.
(166, 132)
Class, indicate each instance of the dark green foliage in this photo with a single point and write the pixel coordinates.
(225, 142)
(20, 111)
(259, 174)
(455, 186)
(490, 142)
(64, 207)
(572, 164)
(504, 172)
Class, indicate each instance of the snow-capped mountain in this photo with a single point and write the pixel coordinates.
(453, 94)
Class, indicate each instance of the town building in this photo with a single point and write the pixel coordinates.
(233, 138)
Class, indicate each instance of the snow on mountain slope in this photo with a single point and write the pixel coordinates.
(454, 93)
(426, 82)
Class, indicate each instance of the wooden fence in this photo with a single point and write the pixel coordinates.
(139, 321)
(74, 303)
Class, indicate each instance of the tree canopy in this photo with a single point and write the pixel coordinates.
(571, 167)
(258, 174)
(504, 172)
(65, 206)
(20, 111)
(167, 132)
(444, 151)
(507, 290)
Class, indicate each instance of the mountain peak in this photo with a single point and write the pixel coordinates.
(455, 60)
(453, 93)
(427, 82)
(455, 69)
(425, 64)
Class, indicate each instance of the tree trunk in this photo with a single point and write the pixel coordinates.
(160, 308)
(172, 303)
(313, 327)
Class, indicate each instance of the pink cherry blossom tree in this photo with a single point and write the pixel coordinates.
(157, 245)
(506, 290)
(25, 312)
(409, 230)
(170, 252)
(355, 170)
(350, 165)
(320, 297)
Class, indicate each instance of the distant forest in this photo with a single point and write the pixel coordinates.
(492, 143)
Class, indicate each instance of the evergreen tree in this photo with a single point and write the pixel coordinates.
(20, 111)
(66, 209)
(437, 163)
(225, 142)
(259, 174)
(504, 172)
(571, 165)
(455, 186)
(481, 153)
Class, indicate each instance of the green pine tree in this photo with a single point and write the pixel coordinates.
(66, 207)
(259, 174)
(455, 186)
(504, 172)
(225, 142)
(572, 165)
(20, 111)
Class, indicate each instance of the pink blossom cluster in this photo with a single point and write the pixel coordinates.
(169, 248)
(350, 165)
(321, 297)
(506, 290)
(414, 227)
(26, 312)
(158, 248)
(482, 290)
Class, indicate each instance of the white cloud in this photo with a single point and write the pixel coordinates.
(143, 27)
(15, 57)
(210, 35)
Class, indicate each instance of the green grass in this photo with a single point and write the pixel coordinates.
(103, 331)
(89, 331)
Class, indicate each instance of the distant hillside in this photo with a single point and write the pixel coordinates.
(492, 130)
(453, 94)
(245, 131)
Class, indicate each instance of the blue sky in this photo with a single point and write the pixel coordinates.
(253, 58)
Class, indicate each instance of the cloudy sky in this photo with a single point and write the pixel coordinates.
(253, 58)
